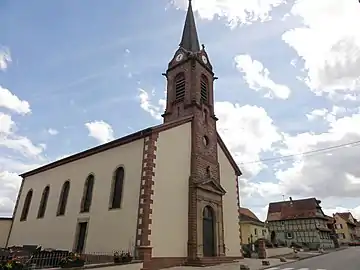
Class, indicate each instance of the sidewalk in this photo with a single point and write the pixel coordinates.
(253, 264)
(256, 264)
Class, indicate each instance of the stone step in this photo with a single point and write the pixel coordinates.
(210, 261)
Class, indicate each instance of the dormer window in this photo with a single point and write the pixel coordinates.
(180, 87)
(204, 88)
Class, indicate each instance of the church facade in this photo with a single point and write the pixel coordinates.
(168, 192)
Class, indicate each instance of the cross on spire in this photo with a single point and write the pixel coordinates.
(190, 40)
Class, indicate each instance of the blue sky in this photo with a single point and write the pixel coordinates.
(90, 71)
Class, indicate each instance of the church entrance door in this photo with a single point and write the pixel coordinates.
(208, 232)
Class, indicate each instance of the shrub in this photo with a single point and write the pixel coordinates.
(11, 265)
(72, 260)
(123, 257)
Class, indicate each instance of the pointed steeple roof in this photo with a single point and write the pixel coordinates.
(190, 40)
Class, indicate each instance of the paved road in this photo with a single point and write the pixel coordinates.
(347, 259)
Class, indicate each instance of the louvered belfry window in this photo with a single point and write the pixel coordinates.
(180, 87)
(204, 88)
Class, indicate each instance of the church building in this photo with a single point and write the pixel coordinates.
(169, 193)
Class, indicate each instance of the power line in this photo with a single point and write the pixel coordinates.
(354, 143)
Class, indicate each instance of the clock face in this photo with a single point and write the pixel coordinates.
(179, 57)
(204, 59)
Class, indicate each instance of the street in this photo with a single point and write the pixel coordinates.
(347, 259)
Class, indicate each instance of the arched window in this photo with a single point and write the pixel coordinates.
(63, 198)
(87, 195)
(26, 206)
(204, 88)
(117, 188)
(180, 86)
(43, 202)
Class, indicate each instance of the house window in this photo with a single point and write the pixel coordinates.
(263, 232)
(26, 206)
(43, 202)
(180, 87)
(63, 198)
(87, 196)
(289, 235)
(117, 188)
(255, 231)
(204, 88)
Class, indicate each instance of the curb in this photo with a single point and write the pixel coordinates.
(300, 259)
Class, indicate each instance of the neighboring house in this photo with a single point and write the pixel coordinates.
(169, 192)
(345, 227)
(331, 227)
(5, 225)
(299, 221)
(357, 229)
(251, 227)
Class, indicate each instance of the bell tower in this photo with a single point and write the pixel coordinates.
(189, 76)
(190, 81)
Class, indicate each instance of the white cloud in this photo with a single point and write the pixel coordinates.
(247, 131)
(22, 145)
(146, 104)
(52, 131)
(10, 166)
(329, 44)
(10, 101)
(329, 115)
(10, 184)
(331, 173)
(355, 211)
(234, 11)
(5, 58)
(9, 139)
(101, 131)
(6, 124)
(258, 77)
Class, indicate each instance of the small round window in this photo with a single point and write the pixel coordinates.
(206, 140)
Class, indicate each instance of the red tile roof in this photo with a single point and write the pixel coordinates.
(294, 209)
(247, 212)
(347, 217)
(246, 215)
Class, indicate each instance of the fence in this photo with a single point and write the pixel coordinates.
(51, 259)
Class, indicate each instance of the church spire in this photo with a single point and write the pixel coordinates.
(190, 40)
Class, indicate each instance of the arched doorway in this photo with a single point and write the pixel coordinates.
(208, 232)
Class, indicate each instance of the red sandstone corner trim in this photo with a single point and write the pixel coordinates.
(146, 191)
(238, 204)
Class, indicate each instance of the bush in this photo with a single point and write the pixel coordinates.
(11, 265)
(123, 257)
(72, 260)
